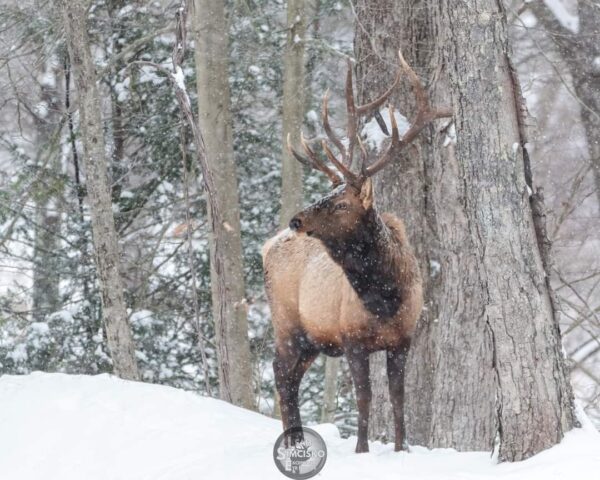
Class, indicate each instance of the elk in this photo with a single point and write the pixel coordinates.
(343, 279)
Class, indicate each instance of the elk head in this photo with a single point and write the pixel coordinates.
(350, 204)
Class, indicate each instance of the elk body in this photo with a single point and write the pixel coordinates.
(343, 279)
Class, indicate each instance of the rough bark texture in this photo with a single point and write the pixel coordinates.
(120, 342)
(293, 108)
(486, 360)
(214, 108)
(581, 52)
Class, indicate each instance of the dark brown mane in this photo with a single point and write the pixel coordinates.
(368, 257)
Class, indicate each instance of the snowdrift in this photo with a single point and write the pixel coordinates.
(72, 427)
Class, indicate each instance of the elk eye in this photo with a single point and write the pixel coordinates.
(341, 206)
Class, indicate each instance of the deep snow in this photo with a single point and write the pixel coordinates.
(55, 426)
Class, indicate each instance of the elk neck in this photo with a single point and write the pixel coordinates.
(369, 258)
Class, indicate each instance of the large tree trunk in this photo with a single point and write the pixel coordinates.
(120, 342)
(214, 107)
(293, 108)
(486, 360)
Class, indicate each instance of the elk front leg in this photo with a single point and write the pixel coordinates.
(289, 367)
(358, 360)
(396, 362)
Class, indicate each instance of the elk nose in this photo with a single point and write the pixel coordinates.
(295, 223)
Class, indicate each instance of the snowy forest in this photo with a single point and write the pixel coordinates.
(144, 164)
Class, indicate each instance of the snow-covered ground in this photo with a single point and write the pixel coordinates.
(63, 427)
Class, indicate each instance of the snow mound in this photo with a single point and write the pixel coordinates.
(56, 426)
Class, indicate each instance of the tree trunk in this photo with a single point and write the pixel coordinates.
(45, 292)
(329, 406)
(293, 115)
(214, 107)
(120, 342)
(46, 279)
(293, 109)
(486, 360)
(116, 136)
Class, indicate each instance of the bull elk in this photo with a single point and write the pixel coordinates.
(342, 279)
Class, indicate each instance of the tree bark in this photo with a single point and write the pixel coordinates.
(293, 109)
(486, 361)
(214, 107)
(120, 342)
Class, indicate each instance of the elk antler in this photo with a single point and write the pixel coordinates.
(312, 161)
(353, 114)
(425, 115)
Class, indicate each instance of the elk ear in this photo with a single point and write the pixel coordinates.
(366, 193)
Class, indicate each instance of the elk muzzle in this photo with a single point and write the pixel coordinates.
(295, 223)
(301, 223)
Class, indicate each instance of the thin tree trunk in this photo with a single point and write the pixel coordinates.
(120, 342)
(46, 279)
(293, 108)
(486, 361)
(332, 365)
(581, 52)
(294, 87)
(116, 136)
(45, 292)
(214, 106)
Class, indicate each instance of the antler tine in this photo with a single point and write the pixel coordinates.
(303, 160)
(422, 101)
(363, 155)
(327, 127)
(395, 143)
(425, 111)
(312, 162)
(395, 134)
(354, 112)
(319, 165)
(373, 107)
(345, 171)
(425, 115)
(352, 119)
(375, 104)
